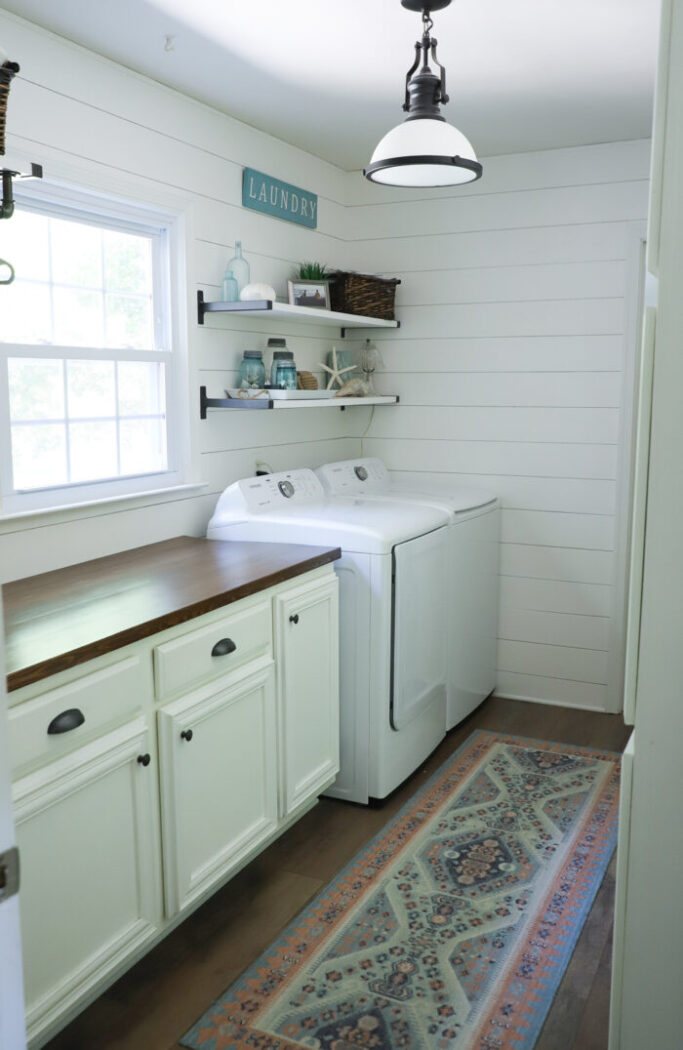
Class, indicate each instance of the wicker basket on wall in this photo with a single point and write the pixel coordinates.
(7, 72)
(364, 294)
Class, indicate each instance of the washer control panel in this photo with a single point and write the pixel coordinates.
(352, 477)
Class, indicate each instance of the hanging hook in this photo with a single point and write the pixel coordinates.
(7, 280)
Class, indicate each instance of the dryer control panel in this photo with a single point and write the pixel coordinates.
(268, 493)
(353, 477)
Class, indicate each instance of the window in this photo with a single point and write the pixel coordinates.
(85, 353)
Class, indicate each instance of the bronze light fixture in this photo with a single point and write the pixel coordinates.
(424, 150)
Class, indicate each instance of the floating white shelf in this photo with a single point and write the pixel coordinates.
(338, 402)
(267, 308)
(263, 403)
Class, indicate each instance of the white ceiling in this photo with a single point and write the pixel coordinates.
(328, 75)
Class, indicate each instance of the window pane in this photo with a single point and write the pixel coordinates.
(24, 242)
(26, 314)
(91, 389)
(129, 322)
(39, 456)
(36, 388)
(76, 253)
(143, 445)
(141, 388)
(92, 451)
(78, 317)
(127, 262)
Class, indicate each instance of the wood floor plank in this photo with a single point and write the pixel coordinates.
(155, 1003)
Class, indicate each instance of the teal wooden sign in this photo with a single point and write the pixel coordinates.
(280, 199)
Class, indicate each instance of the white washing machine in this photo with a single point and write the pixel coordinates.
(473, 553)
(392, 600)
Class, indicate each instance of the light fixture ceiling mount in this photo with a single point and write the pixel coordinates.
(424, 150)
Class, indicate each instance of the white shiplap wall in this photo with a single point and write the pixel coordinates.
(95, 124)
(516, 309)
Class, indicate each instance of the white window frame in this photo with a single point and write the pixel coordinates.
(107, 212)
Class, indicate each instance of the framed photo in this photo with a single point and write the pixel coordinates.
(310, 293)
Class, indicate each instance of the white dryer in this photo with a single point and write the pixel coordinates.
(392, 615)
(472, 569)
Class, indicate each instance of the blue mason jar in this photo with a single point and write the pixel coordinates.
(252, 370)
(283, 372)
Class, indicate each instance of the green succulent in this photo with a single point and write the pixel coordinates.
(312, 271)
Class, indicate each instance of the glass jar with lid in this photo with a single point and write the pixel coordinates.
(252, 370)
(283, 369)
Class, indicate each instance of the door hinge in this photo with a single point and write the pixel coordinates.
(9, 873)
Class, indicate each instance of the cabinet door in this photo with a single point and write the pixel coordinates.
(307, 622)
(90, 882)
(218, 782)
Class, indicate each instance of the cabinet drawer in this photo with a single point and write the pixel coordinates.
(214, 650)
(88, 707)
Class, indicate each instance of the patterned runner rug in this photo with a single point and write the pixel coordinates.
(453, 927)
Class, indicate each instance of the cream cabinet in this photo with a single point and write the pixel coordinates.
(91, 881)
(307, 633)
(218, 762)
(171, 762)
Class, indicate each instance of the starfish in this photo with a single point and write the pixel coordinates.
(336, 372)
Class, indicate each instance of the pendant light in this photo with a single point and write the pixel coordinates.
(424, 150)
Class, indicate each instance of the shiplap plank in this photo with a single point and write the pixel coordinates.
(539, 389)
(560, 459)
(583, 599)
(491, 284)
(557, 353)
(552, 628)
(611, 202)
(548, 244)
(548, 690)
(547, 317)
(581, 531)
(563, 494)
(576, 425)
(98, 531)
(553, 661)
(557, 563)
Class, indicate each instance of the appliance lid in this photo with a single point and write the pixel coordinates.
(369, 476)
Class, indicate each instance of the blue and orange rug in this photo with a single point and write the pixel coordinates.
(453, 927)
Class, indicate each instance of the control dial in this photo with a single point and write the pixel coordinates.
(286, 488)
(361, 473)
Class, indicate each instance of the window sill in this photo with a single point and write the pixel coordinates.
(17, 520)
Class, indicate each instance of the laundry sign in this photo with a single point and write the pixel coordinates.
(280, 199)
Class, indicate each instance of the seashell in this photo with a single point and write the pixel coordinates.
(257, 291)
(356, 387)
(306, 381)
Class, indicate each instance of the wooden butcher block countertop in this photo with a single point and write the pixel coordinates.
(59, 619)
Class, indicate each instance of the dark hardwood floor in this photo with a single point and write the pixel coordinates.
(155, 1003)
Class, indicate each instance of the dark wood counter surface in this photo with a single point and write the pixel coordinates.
(59, 619)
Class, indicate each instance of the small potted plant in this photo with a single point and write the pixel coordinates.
(310, 287)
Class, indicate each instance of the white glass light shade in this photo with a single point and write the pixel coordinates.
(421, 138)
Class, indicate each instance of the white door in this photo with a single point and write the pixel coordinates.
(91, 891)
(11, 988)
(307, 625)
(218, 760)
(419, 635)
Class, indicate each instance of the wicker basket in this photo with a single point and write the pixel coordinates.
(361, 293)
(7, 72)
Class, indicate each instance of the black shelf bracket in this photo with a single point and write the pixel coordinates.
(230, 402)
(241, 307)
